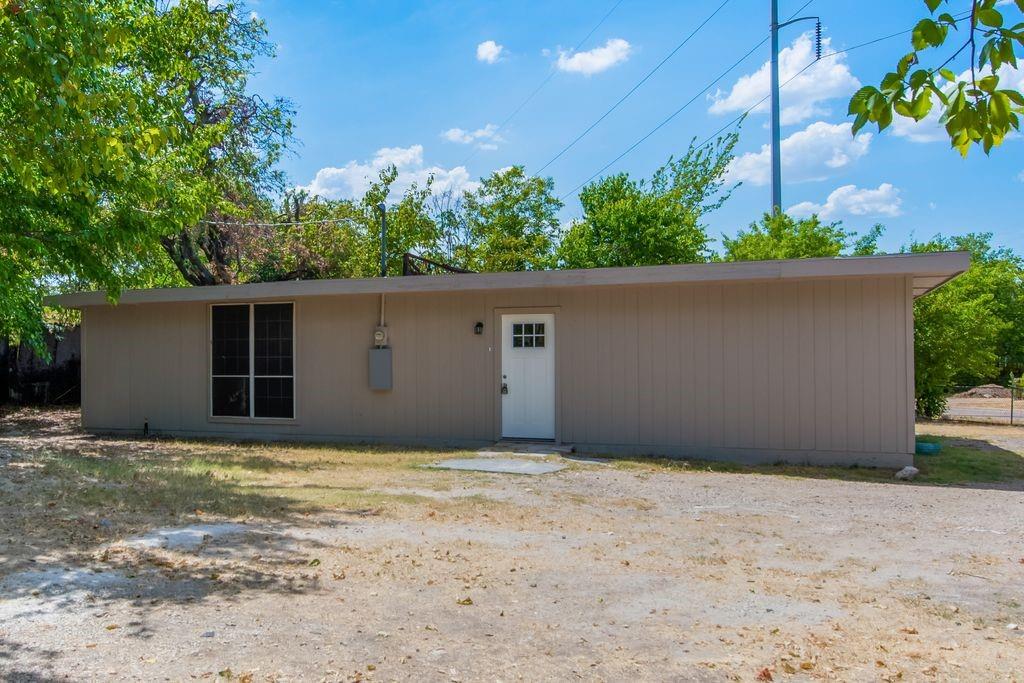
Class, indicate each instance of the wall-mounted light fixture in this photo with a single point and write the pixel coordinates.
(478, 328)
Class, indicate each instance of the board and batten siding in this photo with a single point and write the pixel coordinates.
(815, 370)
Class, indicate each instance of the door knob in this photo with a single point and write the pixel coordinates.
(504, 388)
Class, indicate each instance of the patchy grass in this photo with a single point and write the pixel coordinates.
(181, 477)
(75, 491)
(780, 469)
(961, 462)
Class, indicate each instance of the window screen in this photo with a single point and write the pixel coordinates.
(230, 363)
(252, 361)
(527, 335)
(274, 383)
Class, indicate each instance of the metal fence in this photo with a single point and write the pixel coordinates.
(986, 403)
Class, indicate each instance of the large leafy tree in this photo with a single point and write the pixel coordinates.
(977, 107)
(77, 152)
(223, 172)
(968, 330)
(629, 222)
(779, 236)
(511, 221)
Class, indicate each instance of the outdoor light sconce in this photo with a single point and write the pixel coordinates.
(478, 328)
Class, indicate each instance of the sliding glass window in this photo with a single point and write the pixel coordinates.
(252, 365)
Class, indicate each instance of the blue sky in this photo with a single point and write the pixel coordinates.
(426, 84)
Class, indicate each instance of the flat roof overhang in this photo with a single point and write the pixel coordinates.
(928, 271)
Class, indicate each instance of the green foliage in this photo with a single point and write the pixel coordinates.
(636, 223)
(968, 330)
(79, 147)
(317, 238)
(975, 110)
(512, 222)
(778, 236)
(222, 173)
(134, 123)
(507, 223)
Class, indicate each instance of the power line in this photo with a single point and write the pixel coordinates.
(741, 116)
(669, 118)
(808, 66)
(636, 87)
(247, 224)
(551, 74)
(278, 225)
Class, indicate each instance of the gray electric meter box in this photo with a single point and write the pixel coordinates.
(380, 369)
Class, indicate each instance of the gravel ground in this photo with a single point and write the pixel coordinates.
(595, 572)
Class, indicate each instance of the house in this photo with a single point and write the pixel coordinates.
(801, 360)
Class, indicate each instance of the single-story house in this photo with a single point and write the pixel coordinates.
(805, 360)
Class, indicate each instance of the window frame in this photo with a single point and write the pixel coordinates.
(252, 376)
(533, 335)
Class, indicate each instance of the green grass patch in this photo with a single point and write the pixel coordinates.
(956, 464)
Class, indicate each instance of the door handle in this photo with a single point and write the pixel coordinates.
(504, 388)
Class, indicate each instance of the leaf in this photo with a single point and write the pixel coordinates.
(765, 674)
(990, 17)
(315, 562)
(465, 601)
(858, 102)
(989, 83)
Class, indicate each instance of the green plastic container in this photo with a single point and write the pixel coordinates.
(928, 448)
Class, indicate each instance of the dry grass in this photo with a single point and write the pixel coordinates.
(75, 491)
(962, 461)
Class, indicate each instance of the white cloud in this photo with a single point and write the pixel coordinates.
(353, 179)
(930, 129)
(484, 138)
(1020, 176)
(813, 153)
(802, 97)
(597, 60)
(850, 200)
(489, 52)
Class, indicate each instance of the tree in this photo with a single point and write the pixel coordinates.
(314, 238)
(969, 331)
(78, 149)
(779, 236)
(962, 328)
(975, 109)
(512, 221)
(448, 211)
(636, 223)
(222, 173)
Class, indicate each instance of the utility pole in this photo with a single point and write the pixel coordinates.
(382, 207)
(776, 123)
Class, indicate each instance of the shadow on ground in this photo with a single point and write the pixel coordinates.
(67, 499)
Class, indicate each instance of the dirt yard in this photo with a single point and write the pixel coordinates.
(996, 410)
(154, 559)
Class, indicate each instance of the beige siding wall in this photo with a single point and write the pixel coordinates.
(816, 370)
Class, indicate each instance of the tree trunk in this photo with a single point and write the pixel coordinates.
(182, 251)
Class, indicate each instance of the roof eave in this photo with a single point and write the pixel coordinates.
(931, 270)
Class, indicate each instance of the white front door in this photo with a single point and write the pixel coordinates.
(528, 376)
